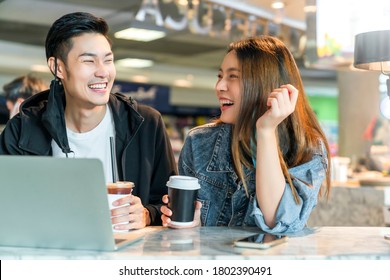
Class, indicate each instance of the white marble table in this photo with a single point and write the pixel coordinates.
(205, 243)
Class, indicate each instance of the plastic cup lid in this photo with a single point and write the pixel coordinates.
(183, 182)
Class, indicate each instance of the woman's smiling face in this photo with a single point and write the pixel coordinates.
(228, 88)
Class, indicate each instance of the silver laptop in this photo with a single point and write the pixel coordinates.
(48, 202)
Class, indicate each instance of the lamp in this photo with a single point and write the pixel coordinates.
(372, 52)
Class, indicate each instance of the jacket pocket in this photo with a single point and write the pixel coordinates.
(204, 210)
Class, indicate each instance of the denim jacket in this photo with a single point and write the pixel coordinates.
(206, 155)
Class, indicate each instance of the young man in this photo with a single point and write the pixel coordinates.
(78, 115)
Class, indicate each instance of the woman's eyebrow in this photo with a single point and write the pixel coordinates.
(230, 69)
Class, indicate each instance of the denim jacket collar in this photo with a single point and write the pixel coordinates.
(220, 160)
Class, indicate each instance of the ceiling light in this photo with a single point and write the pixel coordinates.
(183, 2)
(138, 34)
(310, 9)
(134, 63)
(182, 83)
(277, 5)
(140, 79)
(40, 68)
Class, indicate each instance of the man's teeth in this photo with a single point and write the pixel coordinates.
(97, 86)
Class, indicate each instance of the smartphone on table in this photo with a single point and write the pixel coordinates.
(261, 241)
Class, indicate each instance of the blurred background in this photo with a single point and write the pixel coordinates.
(175, 72)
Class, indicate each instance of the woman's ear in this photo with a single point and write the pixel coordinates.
(51, 62)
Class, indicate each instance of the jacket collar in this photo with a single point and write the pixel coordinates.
(53, 118)
(124, 128)
(41, 121)
(221, 159)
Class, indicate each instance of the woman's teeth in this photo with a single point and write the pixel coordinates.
(227, 103)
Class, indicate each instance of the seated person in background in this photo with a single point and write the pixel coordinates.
(20, 89)
(4, 112)
(78, 115)
(262, 163)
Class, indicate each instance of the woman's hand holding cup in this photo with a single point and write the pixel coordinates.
(182, 209)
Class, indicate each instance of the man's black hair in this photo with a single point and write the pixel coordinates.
(58, 39)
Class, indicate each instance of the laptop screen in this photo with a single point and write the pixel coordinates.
(54, 203)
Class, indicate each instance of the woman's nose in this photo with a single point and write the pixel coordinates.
(221, 85)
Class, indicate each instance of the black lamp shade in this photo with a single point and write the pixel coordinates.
(372, 48)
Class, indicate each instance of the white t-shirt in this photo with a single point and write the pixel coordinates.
(92, 144)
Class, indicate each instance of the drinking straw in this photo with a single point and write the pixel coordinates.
(113, 160)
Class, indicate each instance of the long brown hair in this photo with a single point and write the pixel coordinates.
(266, 63)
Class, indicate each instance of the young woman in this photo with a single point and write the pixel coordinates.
(264, 161)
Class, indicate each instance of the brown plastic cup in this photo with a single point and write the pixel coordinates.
(121, 188)
(116, 191)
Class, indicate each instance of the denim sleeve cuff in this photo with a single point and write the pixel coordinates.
(260, 222)
(290, 216)
(286, 216)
